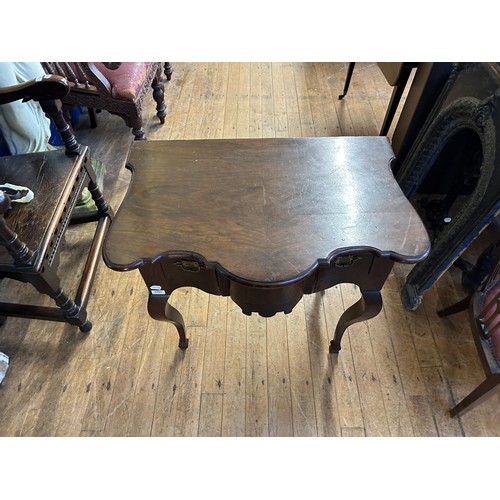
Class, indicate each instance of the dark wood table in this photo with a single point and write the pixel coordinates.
(264, 221)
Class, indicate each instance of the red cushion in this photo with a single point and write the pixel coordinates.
(127, 80)
(492, 317)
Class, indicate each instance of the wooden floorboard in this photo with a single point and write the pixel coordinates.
(396, 375)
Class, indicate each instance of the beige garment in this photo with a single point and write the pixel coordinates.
(24, 125)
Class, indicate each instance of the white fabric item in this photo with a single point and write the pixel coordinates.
(23, 194)
(4, 365)
(24, 125)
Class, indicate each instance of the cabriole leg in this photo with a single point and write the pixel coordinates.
(161, 310)
(368, 306)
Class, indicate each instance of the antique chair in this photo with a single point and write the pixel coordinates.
(397, 75)
(31, 232)
(484, 315)
(119, 88)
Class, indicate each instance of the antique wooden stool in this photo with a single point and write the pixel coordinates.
(31, 233)
(264, 221)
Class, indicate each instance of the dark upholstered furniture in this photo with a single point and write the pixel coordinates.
(484, 315)
(31, 233)
(119, 88)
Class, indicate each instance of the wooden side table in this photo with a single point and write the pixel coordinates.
(264, 221)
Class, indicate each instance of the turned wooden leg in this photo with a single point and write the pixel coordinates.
(168, 70)
(138, 134)
(49, 284)
(53, 109)
(100, 202)
(159, 97)
(72, 311)
(368, 306)
(137, 127)
(161, 310)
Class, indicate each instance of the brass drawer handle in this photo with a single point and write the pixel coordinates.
(345, 260)
(191, 266)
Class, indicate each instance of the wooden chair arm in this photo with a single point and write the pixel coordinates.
(48, 90)
(37, 89)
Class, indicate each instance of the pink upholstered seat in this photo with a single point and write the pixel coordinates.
(127, 80)
(119, 88)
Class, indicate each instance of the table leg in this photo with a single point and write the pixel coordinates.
(368, 306)
(161, 310)
(350, 70)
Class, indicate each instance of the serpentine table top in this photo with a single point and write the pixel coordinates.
(264, 221)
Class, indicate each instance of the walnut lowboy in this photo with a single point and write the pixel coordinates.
(264, 221)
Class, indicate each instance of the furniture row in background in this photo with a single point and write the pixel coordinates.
(119, 88)
(397, 75)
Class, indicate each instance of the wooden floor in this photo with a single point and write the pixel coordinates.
(397, 374)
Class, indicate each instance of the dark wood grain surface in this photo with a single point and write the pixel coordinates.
(264, 209)
(50, 176)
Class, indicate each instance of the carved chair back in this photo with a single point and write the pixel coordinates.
(82, 76)
(119, 88)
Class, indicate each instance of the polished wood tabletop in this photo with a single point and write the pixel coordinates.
(262, 213)
(265, 209)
